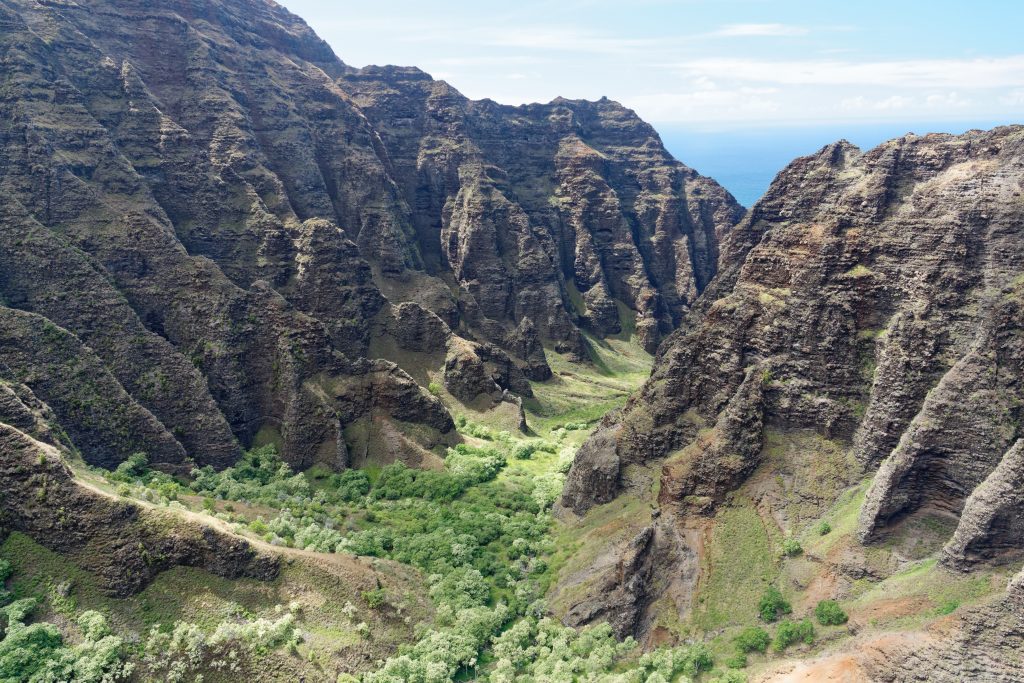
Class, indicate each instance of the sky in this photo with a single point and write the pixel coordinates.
(736, 88)
(716, 64)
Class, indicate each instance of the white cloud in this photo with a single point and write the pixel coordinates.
(768, 30)
(922, 73)
(949, 100)
(861, 103)
(562, 40)
(488, 60)
(703, 105)
(1014, 98)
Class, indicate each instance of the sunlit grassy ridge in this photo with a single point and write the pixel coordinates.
(476, 536)
(395, 574)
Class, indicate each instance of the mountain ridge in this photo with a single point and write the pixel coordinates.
(276, 238)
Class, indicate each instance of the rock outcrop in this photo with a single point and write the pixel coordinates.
(235, 224)
(122, 543)
(854, 270)
(872, 300)
(556, 213)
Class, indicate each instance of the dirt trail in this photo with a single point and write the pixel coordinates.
(339, 559)
(852, 664)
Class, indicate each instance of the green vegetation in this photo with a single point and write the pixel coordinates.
(790, 632)
(37, 653)
(791, 547)
(740, 564)
(478, 530)
(752, 639)
(186, 649)
(773, 605)
(737, 660)
(478, 550)
(829, 613)
(375, 598)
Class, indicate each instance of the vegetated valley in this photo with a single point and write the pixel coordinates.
(317, 373)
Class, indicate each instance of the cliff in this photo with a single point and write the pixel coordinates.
(239, 228)
(865, 322)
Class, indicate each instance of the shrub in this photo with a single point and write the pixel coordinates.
(460, 588)
(258, 526)
(829, 613)
(690, 660)
(351, 485)
(37, 652)
(737, 661)
(26, 649)
(478, 431)
(752, 639)
(434, 388)
(790, 632)
(791, 547)
(131, 469)
(375, 598)
(397, 481)
(824, 528)
(523, 451)
(773, 605)
(547, 488)
(186, 649)
(565, 459)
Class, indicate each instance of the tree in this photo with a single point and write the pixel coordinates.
(752, 639)
(829, 613)
(773, 605)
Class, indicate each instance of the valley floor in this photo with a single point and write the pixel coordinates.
(392, 573)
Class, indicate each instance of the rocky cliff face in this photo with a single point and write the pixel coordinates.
(569, 214)
(238, 230)
(871, 301)
(123, 544)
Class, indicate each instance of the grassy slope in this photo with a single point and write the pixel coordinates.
(804, 480)
(323, 583)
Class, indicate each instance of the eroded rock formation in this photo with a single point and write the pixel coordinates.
(251, 237)
(873, 301)
(124, 544)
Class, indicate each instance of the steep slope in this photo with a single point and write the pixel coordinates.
(123, 544)
(865, 321)
(557, 213)
(259, 239)
(103, 184)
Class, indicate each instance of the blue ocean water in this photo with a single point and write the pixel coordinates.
(746, 160)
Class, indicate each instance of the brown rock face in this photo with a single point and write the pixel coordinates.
(231, 219)
(551, 213)
(123, 544)
(183, 190)
(873, 299)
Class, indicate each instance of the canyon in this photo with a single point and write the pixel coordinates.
(276, 330)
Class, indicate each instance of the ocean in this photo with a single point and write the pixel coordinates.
(746, 160)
